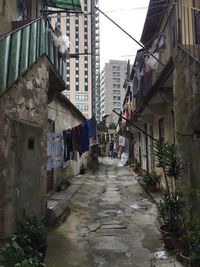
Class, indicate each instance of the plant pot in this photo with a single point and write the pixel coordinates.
(185, 259)
(195, 263)
(152, 188)
(178, 244)
(168, 243)
(165, 232)
(179, 257)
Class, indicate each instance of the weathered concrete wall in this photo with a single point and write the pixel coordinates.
(140, 145)
(187, 110)
(23, 122)
(8, 13)
(65, 118)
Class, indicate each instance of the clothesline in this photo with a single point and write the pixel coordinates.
(65, 145)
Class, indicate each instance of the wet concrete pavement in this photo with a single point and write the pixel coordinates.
(112, 224)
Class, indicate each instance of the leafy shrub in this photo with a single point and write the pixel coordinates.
(137, 166)
(27, 245)
(171, 209)
(151, 179)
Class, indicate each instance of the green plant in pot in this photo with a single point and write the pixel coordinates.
(169, 158)
(171, 209)
(151, 181)
(191, 251)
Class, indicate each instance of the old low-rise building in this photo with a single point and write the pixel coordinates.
(32, 72)
(165, 85)
(63, 115)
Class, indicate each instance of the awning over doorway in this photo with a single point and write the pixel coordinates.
(65, 4)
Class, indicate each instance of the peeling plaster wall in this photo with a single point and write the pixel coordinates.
(187, 110)
(65, 118)
(23, 107)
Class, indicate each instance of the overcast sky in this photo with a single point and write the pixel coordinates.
(130, 15)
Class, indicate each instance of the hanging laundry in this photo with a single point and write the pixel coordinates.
(57, 150)
(68, 145)
(152, 62)
(161, 43)
(84, 138)
(121, 140)
(50, 146)
(146, 67)
(92, 127)
(77, 138)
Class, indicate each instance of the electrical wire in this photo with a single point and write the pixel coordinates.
(114, 11)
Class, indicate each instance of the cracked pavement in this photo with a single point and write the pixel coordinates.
(112, 224)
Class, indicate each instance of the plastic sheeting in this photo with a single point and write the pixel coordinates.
(65, 4)
(61, 42)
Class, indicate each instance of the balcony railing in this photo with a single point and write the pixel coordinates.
(180, 30)
(189, 30)
(22, 47)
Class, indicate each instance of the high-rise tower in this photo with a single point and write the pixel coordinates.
(82, 67)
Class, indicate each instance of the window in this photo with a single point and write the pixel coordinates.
(118, 68)
(82, 107)
(67, 95)
(81, 96)
(23, 9)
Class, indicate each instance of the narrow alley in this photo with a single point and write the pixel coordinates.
(112, 223)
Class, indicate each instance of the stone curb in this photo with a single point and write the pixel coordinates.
(58, 204)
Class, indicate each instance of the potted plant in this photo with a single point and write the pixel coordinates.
(151, 181)
(169, 158)
(171, 210)
(191, 251)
